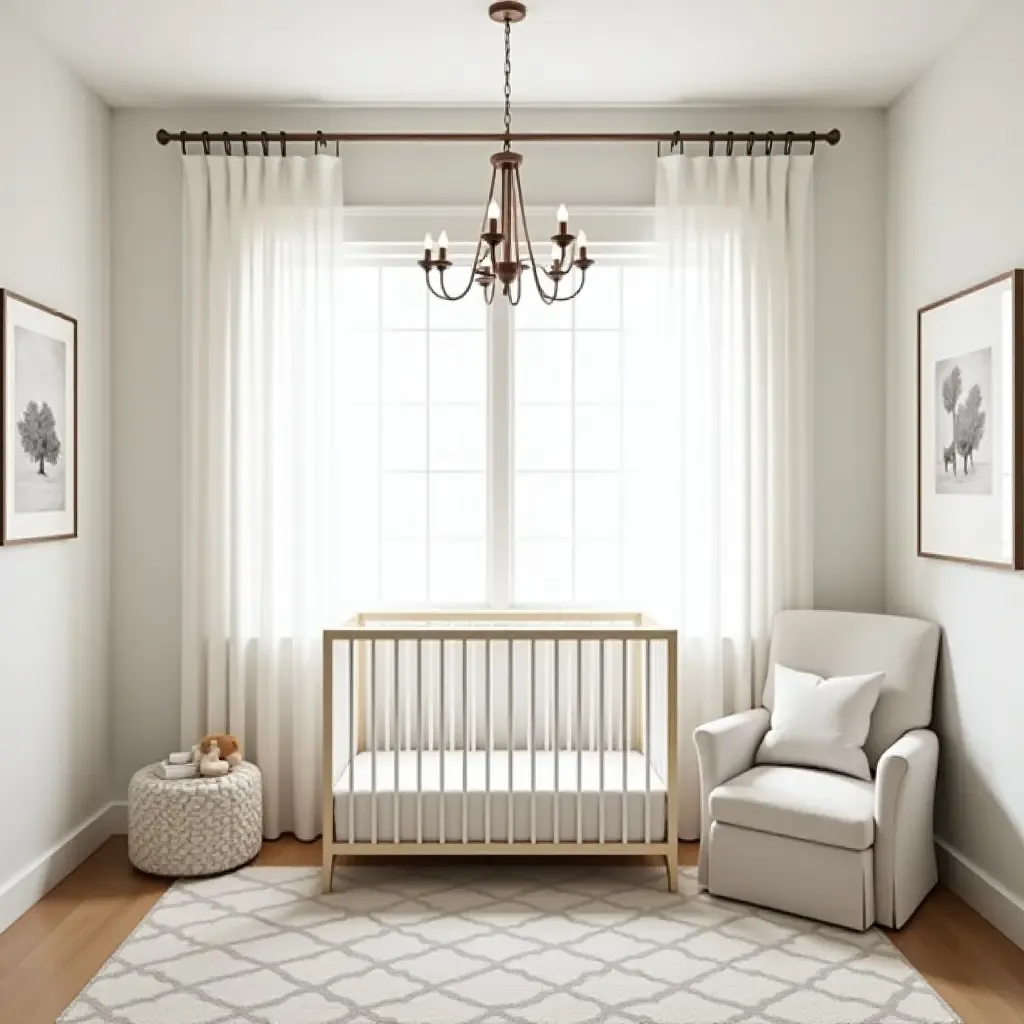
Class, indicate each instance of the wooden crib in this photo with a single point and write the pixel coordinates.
(500, 733)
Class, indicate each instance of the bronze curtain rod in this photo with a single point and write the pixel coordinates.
(264, 140)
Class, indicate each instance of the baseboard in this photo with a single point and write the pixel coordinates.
(32, 883)
(117, 810)
(976, 887)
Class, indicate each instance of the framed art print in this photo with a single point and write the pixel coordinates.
(970, 414)
(38, 422)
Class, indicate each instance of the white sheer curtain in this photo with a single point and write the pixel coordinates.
(734, 237)
(263, 239)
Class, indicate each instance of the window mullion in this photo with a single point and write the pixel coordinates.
(499, 454)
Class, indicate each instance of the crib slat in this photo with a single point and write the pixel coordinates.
(395, 668)
(557, 745)
(533, 740)
(488, 725)
(373, 741)
(626, 736)
(419, 741)
(466, 729)
(603, 741)
(648, 748)
(442, 747)
(352, 726)
(510, 742)
(579, 742)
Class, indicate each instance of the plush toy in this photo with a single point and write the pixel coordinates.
(218, 753)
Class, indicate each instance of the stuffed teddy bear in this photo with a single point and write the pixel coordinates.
(218, 753)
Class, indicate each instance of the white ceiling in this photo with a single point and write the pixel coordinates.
(137, 52)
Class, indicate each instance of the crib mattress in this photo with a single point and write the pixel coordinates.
(469, 777)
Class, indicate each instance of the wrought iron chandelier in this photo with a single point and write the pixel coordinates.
(499, 259)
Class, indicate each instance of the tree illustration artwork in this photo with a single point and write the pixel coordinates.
(37, 429)
(970, 426)
(952, 386)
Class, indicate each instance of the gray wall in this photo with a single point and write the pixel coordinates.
(956, 217)
(849, 442)
(55, 597)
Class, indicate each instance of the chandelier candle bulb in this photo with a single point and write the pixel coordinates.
(493, 213)
(581, 241)
(442, 245)
(562, 216)
(428, 246)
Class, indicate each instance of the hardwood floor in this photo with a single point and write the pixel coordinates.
(50, 954)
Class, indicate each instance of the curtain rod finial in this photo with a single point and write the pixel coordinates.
(833, 137)
(163, 136)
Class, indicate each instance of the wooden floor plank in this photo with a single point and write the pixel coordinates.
(50, 954)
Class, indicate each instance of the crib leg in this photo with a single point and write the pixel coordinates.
(672, 868)
(326, 873)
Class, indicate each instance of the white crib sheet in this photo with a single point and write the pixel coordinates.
(475, 788)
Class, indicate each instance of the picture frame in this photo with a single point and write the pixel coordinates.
(970, 425)
(38, 422)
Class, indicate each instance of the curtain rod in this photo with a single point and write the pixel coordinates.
(264, 139)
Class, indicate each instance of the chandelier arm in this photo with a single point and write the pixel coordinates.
(433, 291)
(545, 297)
(476, 258)
(579, 288)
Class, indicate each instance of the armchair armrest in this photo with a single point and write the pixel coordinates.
(905, 867)
(725, 748)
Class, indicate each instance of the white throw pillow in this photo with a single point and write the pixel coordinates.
(821, 723)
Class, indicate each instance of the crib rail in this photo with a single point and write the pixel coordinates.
(505, 733)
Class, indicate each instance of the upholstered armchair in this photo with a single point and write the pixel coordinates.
(810, 842)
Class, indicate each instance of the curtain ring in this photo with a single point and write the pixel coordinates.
(814, 141)
(789, 143)
(184, 149)
(245, 143)
(284, 151)
(320, 141)
(227, 144)
(677, 140)
(751, 139)
(730, 139)
(265, 143)
(711, 143)
(206, 143)
(769, 141)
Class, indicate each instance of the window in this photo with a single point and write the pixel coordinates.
(491, 453)
(415, 402)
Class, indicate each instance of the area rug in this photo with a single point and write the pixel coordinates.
(521, 943)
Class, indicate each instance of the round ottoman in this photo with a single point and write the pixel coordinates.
(201, 826)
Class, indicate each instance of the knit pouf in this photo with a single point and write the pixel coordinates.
(189, 827)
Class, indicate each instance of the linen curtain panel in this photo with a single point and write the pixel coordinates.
(263, 238)
(734, 242)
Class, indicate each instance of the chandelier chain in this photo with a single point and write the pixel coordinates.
(508, 85)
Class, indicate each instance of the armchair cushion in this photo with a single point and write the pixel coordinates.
(821, 723)
(801, 803)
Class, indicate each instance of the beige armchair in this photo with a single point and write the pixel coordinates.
(811, 842)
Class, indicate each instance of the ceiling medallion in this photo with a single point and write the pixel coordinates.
(499, 258)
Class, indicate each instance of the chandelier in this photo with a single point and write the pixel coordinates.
(499, 259)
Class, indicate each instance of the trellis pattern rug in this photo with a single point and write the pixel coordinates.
(520, 943)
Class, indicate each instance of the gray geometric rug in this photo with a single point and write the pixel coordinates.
(519, 943)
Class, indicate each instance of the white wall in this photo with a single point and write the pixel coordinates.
(956, 217)
(55, 597)
(849, 532)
